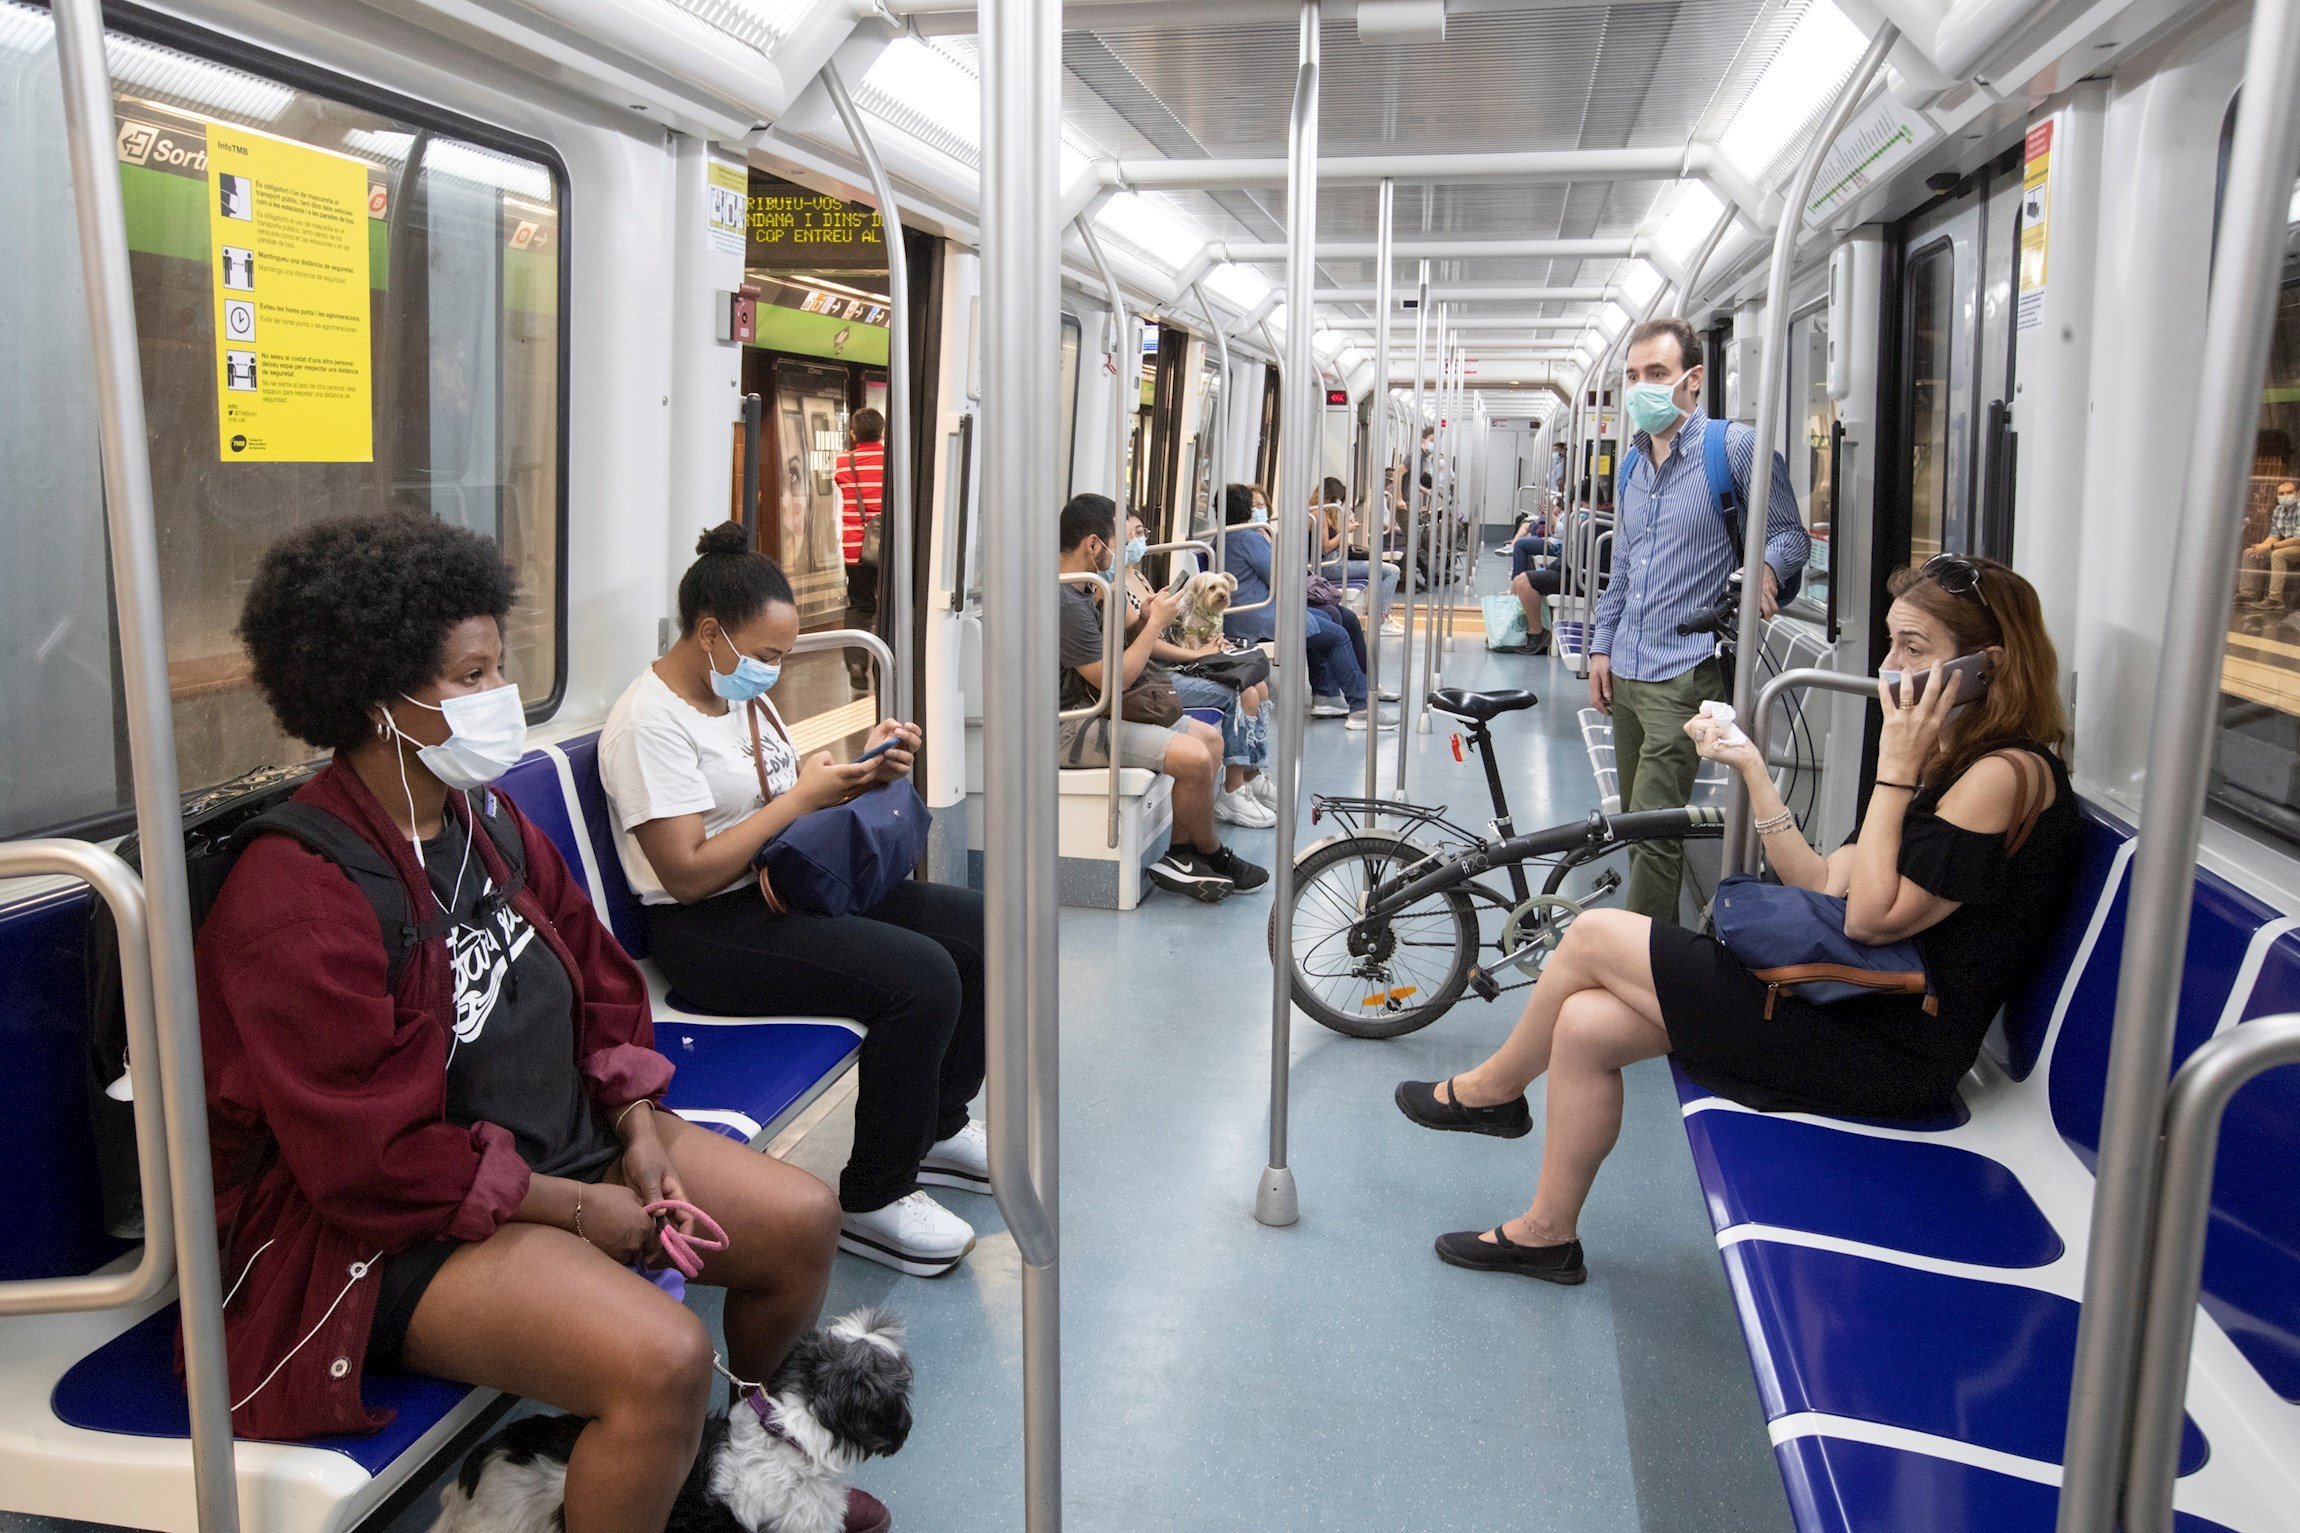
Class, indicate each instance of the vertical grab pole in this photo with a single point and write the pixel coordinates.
(1128, 364)
(1021, 43)
(2247, 264)
(129, 522)
(1377, 545)
(1772, 400)
(1443, 574)
(1417, 504)
(754, 412)
(895, 502)
(1275, 1198)
(1217, 519)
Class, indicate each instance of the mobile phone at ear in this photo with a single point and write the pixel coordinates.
(1975, 669)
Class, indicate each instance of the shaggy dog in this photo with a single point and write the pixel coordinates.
(778, 1462)
(1204, 599)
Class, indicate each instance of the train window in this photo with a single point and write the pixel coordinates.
(1072, 340)
(1931, 334)
(439, 246)
(2256, 771)
(1812, 419)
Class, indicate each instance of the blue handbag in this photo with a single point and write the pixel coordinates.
(844, 859)
(1794, 940)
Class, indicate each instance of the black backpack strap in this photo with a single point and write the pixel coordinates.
(370, 871)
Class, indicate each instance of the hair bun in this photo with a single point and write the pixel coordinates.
(726, 538)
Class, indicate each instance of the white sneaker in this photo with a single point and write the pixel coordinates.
(1395, 628)
(1357, 720)
(1390, 694)
(961, 1161)
(915, 1234)
(1265, 787)
(1328, 708)
(1246, 808)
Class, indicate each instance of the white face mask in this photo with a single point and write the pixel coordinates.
(487, 734)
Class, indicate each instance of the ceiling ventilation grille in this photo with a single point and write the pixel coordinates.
(752, 23)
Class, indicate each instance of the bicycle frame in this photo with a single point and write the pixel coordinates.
(1585, 841)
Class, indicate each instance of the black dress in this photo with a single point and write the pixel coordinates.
(1879, 1056)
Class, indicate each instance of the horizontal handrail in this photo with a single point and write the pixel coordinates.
(1760, 727)
(1268, 529)
(2198, 1099)
(827, 639)
(117, 885)
(1109, 615)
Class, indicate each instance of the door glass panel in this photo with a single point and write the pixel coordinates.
(1812, 416)
(1931, 353)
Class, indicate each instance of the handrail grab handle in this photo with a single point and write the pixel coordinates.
(2195, 1104)
(1759, 724)
(1268, 530)
(827, 639)
(117, 885)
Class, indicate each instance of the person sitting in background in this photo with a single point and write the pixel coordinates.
(477, 1144)
(1248, 797)
(2279, 551)
(1939, 857)
(701, 773)
(1190, 752)
(1334, 526)
(1337, 673)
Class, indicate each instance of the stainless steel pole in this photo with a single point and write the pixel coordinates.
(1442, 577)
(1772, 402)
(2247, 265)
(895, 504)
(1275, 1198)
(2198, 1099)
(1021, 52)
(129, 521)
(1377, 541)
(1684, 295)
(1218, 437)
(1417, 502)
(1126, 364)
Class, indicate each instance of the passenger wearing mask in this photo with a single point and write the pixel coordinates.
(451, 1175)
(1333, 526)
(1939, 858)
(1336, 643)
(1674, 549)
(1248, 797)
(2278, 552)
(1190, 752)
(701, 773)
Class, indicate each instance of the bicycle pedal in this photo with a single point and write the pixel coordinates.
(1484, 984)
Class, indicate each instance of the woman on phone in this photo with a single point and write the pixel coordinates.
(1958, 774)
(701, 774)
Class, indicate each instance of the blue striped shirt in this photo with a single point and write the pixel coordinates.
(1672, 550)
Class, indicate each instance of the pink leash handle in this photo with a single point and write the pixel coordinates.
(684, 1249)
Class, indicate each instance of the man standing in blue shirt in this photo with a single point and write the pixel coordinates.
(1673, 551)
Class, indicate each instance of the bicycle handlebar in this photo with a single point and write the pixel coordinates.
(1597, 833)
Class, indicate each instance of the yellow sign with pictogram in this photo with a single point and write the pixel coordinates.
(294, 360)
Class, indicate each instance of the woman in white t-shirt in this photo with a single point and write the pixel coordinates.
(682, 755)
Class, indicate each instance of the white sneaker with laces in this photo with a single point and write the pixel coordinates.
(1265, 787)
(914, 1234)
(1246, 808)
(961, 1161)
(1328, 707)
(1388, 719)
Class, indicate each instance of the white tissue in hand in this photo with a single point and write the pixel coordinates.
(1723, 714)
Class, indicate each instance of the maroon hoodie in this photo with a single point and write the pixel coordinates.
(327, 1098)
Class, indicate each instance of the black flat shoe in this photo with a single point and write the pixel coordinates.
(1419, 1100)
(1552, 1264)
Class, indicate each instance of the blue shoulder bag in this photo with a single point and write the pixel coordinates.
(1724, 493)
(842, 860)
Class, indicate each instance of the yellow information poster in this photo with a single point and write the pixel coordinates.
(727, 204)
(2035, 222)
(294, 363)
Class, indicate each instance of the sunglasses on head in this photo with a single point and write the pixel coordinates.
(1956, 575)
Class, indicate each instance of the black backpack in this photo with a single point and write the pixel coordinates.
(220, 823)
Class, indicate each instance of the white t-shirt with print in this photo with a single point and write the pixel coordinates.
(661, 757)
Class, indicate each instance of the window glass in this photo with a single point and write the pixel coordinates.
(1812, 421)
(1072, 334)
(2257, 767)
(1931, 330)
(460, 243)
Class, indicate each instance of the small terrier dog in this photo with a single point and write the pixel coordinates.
(1205, 597)
(779, 1462)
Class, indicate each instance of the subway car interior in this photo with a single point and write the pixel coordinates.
(1428, 377)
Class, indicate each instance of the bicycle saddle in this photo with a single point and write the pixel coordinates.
(1480, 706)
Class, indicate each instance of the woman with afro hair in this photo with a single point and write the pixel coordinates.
(450, 1174)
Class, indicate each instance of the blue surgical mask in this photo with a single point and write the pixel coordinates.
(1137, 549)
(1261, 515)
(1653, 406)
(749, 679)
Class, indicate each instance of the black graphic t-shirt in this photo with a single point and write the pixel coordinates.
(511, 1061)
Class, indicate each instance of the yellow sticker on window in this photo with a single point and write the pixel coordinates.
(294, 361)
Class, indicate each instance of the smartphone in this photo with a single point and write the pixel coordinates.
(880, 749)
(1974, 668)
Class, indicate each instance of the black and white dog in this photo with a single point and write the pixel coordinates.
(779, 1462)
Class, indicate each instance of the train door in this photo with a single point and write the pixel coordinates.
(1955, 341)
(807, 427)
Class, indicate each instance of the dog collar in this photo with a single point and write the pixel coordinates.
(763, 1407)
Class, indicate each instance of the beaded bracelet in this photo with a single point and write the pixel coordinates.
(1785, 820)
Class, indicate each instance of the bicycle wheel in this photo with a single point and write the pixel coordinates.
(1380, 979)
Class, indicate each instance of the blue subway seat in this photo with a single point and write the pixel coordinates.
(1974, 1362)
(1955, 1115)
(2028, 1015)
(1840, 1485)
(1924, 1199)
(129, 1386)
(626, 917)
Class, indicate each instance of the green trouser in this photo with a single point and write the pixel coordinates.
(1657, 761)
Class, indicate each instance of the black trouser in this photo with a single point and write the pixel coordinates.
(862, 612)
(910, 972)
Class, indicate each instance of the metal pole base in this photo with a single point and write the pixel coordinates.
(1422, 726)
(1274, 1201)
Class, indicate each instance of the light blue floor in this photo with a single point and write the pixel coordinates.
(1220, 1375)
